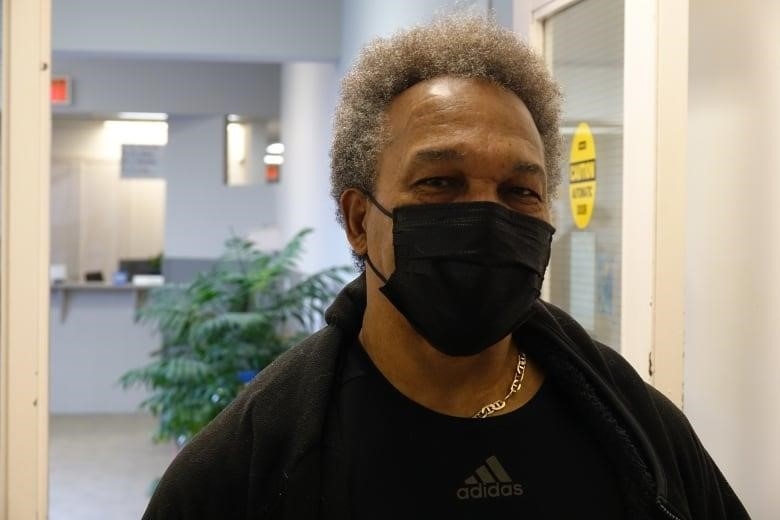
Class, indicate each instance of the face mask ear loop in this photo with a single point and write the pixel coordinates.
(388, 214)
(376, 271)
(377, 204)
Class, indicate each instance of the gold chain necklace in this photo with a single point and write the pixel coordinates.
(517, 382)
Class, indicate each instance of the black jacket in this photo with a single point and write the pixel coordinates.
(275, 452)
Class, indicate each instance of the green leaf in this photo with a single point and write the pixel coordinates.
(240, 314)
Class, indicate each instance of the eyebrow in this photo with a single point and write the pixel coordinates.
(434, 155)
(437, 155)
(528, 167)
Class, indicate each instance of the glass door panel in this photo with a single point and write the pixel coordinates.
(584, 49)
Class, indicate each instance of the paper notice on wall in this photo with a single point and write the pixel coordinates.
(582, 276)
(141, 161)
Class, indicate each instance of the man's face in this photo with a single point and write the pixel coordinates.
(454, 140)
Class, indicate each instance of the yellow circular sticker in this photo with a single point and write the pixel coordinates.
(582, 175)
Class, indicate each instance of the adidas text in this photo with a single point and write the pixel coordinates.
(494, 490)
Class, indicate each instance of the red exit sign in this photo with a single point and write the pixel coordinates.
(60, 90)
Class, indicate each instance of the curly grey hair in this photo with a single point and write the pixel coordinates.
(457, 45)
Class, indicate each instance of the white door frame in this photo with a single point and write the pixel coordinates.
(24, 260)
(654, 165)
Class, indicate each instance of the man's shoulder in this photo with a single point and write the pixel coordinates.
(561, 327)
(256, 440)
(607, 363)
(692, 481)
(291, 390)
(301, 368)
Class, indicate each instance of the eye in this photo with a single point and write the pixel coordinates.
(437, 182)
(523, 192)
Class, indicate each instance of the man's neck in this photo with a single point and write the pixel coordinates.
(457, 386)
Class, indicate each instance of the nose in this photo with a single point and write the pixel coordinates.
(482, 190)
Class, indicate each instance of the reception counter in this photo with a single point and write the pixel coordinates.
(95, 338)
(65, 290)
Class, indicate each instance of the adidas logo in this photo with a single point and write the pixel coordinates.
(489, 481)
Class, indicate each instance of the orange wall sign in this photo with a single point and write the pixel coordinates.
(60, 91)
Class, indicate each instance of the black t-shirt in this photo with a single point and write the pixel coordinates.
(409, 462)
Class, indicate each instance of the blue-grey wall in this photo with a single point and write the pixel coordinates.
(215, 30)
(109, 85)
(201, 211)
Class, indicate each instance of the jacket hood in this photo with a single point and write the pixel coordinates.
(346, 311)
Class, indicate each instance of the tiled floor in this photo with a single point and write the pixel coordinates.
(102, 466)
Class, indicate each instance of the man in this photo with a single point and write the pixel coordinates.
(441, 386)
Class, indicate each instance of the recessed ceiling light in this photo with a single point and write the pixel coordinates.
(143, 116)
(275, 148)
(273, 159)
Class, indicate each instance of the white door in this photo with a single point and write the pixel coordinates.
(618, 259)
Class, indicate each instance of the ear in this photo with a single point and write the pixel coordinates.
(353, 207)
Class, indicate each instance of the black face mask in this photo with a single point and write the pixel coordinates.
(466, 274)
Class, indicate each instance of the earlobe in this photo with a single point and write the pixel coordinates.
(353, 207)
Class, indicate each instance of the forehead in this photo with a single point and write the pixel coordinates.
(447, 104)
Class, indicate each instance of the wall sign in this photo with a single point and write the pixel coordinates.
(60, 91)
(141, 160)
(271, 173)
(582, 175)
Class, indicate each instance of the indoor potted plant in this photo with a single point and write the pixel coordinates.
(222, 328)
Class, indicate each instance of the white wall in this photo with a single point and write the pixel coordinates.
(218, 30)
(141, 218)
(96, 216)
(732, 386)
(304, 186)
